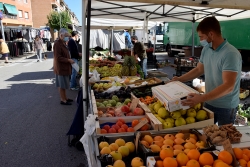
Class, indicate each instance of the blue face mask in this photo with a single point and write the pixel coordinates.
(66, 39)
(203, 42)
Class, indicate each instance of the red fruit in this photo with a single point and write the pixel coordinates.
(119, 123)
(130, 129)
(111, 113)
(138, 111)
(144, 127)
(116, 127)
(121, 130)
(135, 122)
(121, 120)
(125, 109)
(124, 126)
(106, 127)
(112, 130)
(128, 104)
(130, 114)
(103, 131)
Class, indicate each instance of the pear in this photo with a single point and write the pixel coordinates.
(167, 125)
(175, 114)
(180, 121)
(171, 120)
(191, 112)
(190, 120)
(201, 115)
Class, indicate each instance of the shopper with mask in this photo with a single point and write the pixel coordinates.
(62, 65)
(139, 51)
(221, 63)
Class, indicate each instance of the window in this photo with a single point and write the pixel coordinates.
(20, 13)
(25, 1)
(26, 15)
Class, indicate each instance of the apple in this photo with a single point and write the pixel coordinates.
(138, 111)
(125, 109)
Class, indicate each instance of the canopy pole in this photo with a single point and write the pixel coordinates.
(144, 27)
(84, 77)
(154, 38)
(112, 41)
(2, 30)
(193, 31)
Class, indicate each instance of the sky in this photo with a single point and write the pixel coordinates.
(76, 7)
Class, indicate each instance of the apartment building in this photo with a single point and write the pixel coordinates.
(16, 12)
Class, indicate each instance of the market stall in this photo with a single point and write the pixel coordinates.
(141, 122)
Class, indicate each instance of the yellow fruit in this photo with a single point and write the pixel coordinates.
(158, 138)
(119, 163)
(200, 144)
(148, 139)
(179, 135)
(105, 150)
(168, 142)
(176, 152)
(178, 147)
(145, 143)
(191, 140)
(186, 151)
(182, 159)
(120, 142)
(103, 144)
(189, 145)
(155, 148)
(167, 146)
(124, 151)
(193, 136)
(179, 141)
(130, 146)
(116, 155)
(169, 136)
(113, 147)
(137, 162)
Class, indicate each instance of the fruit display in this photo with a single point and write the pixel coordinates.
(172, 144)
(179, 117)
(101, 87)
(218, 135)
(144, 82)
(113, 102)
(147, 100)
(121, 126)
(101, 63)
(129, 66)
(142, 92)
(106, 71)
(121, 93)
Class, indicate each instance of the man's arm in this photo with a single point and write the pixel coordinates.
(229, 79)
(194, 73)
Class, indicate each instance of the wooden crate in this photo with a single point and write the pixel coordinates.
(196, 125)
(128, 119)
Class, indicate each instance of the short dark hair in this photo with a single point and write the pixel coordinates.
(134, 37)
(209, 24)
(74, 33)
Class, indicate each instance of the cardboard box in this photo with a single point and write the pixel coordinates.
(128, 119)
(145, 82)
(196, 125)
(171, 95)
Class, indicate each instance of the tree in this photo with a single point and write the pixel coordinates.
(54, 20)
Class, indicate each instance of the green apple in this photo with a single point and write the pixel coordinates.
(167, 125)
(180, 121)
(190, 120)
(171, 120)
(163, 113)
(201, 115)
(116, 155)
(197, 107)
(175, 114)
(160, 119)
(183, 112)
(191, 112)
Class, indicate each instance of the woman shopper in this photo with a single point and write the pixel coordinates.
(62, 65)
(38, 45)
(4, 50)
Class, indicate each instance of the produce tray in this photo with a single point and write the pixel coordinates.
(196, 125)
(100, 122)
(141, 83)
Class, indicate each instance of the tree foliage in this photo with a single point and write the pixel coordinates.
(54, 20)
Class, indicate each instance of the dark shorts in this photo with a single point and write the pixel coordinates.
(222, 116)
(5, 54)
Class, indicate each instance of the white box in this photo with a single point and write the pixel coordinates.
(171, 95)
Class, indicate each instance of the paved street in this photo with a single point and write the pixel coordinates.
(33, 123)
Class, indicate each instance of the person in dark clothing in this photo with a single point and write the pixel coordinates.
(73, 48)
(139, 51)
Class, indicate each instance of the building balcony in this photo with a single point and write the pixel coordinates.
(6, 16)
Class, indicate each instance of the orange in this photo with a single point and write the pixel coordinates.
(248, 164)
(135, 122)
(130, 129)
(166, 153)
(243, 163)
(170, 162)
(238, 153)
(159, 163)
(216, 161)
(248, 154)
(245, 157)
(206, 159)
(193, 154)
(182, 159)
(226, 157)
(245, 151)
(221, 164)
(192, 163)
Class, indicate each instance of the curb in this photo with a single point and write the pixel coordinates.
(15, 59)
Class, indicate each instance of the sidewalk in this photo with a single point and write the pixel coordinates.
(18, 58)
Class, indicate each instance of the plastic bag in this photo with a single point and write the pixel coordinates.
(118, 112)
(118, 57)
(112, 89)
(87, 141)
(95, 77)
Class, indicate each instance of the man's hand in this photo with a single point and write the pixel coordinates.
(175, 78)
(71, 61)
(192, 100)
